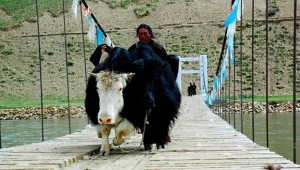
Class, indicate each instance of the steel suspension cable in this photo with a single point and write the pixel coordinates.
(67, 68)
(229, 107)
(267, 74)
(0, 135)
(252, 81)
(241, 66)
(225, 100)
(40, 63)
(83, 47)
(84, 57)
(234, 88)
(294, 83)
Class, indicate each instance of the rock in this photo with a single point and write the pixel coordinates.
(49, 112)
(260, 107)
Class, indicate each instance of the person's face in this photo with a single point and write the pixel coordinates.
(144, 35)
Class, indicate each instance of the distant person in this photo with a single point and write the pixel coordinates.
(190, 89)
(194, 87)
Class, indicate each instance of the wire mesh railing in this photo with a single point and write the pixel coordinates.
(248, 103)
(44, 46)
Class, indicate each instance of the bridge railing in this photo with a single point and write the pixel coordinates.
(200, 59)
(42, 128)
(239, 107)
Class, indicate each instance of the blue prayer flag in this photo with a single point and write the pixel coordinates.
(231, 18)
(99, 36)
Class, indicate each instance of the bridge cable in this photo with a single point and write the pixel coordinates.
(241, 66)
(252, 81)
(84, 56)
(234, 87)
(267, 74)
(67, 67)
(40, 63)
(294, 83)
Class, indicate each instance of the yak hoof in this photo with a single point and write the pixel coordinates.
(104, 151)
(160, 146)
(99, 134)
(117, 141)
(147, 146)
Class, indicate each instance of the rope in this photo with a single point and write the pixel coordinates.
(143, 135)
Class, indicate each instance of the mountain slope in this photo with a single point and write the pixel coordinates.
(185, 27)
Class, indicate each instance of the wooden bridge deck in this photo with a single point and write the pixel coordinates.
(200, 140)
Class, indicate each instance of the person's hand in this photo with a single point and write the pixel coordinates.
(104, 47)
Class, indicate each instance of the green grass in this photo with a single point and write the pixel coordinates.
(263, 98)
(19, 11)
(12, 102)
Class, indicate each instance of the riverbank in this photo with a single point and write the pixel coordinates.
(49, 112)
(260, 107)
(55, 112)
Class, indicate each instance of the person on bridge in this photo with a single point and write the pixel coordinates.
(145, 34)
(190, 89)
(194, 87)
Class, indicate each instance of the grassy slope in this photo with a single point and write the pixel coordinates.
(20, 11)
(16, 88)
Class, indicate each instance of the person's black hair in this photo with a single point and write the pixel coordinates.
(147, 27)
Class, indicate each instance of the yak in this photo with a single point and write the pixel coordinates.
(127, 87)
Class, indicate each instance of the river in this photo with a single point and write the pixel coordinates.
(19, 132)
(280, 131)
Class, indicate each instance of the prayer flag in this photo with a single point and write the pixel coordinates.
(74, 7)
(99, 36)
(85, 11)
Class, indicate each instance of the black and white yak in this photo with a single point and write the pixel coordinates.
(124, 87)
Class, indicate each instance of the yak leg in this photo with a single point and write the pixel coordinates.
(122, 130)
(98, 130)
(105, 148)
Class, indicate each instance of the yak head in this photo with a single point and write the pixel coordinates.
(110, 87)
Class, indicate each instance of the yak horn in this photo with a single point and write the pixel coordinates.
(92, 74)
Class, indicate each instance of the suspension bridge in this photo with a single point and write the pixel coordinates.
(200, 140)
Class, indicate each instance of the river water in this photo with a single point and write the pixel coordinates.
(280, 131)
(19, 132)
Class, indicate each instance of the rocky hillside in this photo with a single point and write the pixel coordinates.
(186, 28)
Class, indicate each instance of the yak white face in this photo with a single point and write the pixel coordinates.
(110, 90)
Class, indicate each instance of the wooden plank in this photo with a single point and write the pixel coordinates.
(29, 167)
